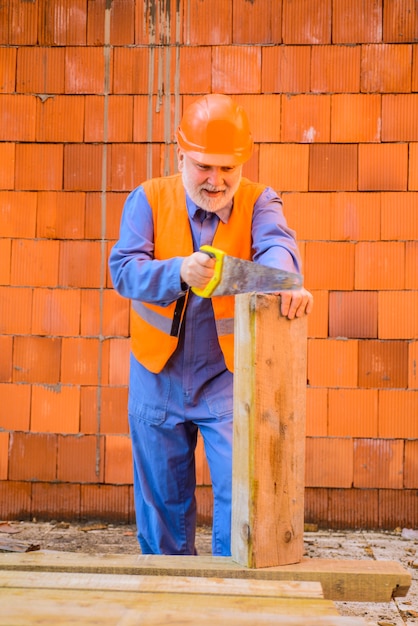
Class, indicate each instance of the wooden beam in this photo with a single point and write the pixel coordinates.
(269, 433)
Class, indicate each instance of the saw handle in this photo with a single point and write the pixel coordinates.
(218, 255)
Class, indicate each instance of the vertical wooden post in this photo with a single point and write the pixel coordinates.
(269, 433)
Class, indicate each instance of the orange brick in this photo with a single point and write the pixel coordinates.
(264, 116)
(119, 353)
(112, 204)
(357, 21)
(329, 462)
(114, 410)
(413, 365)
(80, 361)
(332, 167)
(413, 167)
(202, 467)
(305, 22)
(7, 68)
(256, 22)
(353, 314)
(118, 460)
(329, 265)
(411, 465)
(95, 22)
(401, 223)
(285, 69)
(14, 403)
(397, 508)
(55, 409)
(5, 256)
(353, 508)
(4, 23)
(7, 165)
(302, 210)
(23, 23)
(131, 70)
(16, 310)
(306, 118)
(62, 22)
(40, 70)
(284, 167)
(104, 313)
(107, 502)
(39, 166)
(400, 117)
(150, 119)
(332, 363)
(36, 359)
(94, 122)
(326, 74)
(120, 118)
(18, 213)
(318, 319)
(236, 69)
(397, 314)
(352, 412)
(355, 118)
(6, 348)
(378, 463)
(398, 414)
(386, 68)
(4, 455)
(383, 364)
(122, 22)
(58, 501)
(250, 168)
(61, 215)
(383, 167)
(355, 216)
(84, 70)
(15, 498)
(33, 457)
(316, 506)
(380, 265)
(80, 458)
(83, 165)
(400, 21)
(415, 69)
(34, 263)
(316, 412)
(195, 56)
(75, 258)
(132, 162)
(56, 312)
(202, 24)
(60, 119)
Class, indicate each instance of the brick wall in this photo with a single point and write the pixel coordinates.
(91, 92)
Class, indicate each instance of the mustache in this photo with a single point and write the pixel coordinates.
(212, 188)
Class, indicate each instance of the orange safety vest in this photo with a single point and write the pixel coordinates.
(154, 328)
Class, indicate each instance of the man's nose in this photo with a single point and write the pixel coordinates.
(216, 177)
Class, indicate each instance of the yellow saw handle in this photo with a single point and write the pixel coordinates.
(218, 255)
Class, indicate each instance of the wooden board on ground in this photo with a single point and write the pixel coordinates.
(342, 580)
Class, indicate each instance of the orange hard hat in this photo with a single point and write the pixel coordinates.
(215, 131)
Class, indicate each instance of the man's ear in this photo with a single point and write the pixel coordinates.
(180, 159)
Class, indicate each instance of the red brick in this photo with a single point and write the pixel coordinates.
(398, 414)
(7, 68)
(329, 462)
(202, 24)
(4, 23)
(7, 165)
(378, 463)
(107, 502)
(150, 119)
(131, 70)
(380, 265)
(112, 204)
(318, 319)
(83, 164)
(285, 69)
(302, 210)
(6, 349)
(400, 222)
(80, 458)
(80, 361)
(60, 119)
(15, 500)
(413, 365)
(398, 508)
(55, 409)
(236, 69)
(119, 351)
(114, 410)
(411, 465)
(355, 118)
(357, 21)
(400, 21)
(62, 22)
(129, 165)
(23, 23)
(326, 74)
(118, 460)
(4, 455)
(94, 121)
(353, 508)
(39, 166)
(413, 167)
(204, 501)
(195, 56)
(202, 467)
(104, 313)
(152, 23)
(316, 412)
(34, 263)
(33, 457)
(56, 501)
(84, 70)
(386, 68)
(16, 310)
(96, 12)
(18, 213)
(383, 364)
(61, 215)
(122, 22)
(5, 256)
(305, 22)
(353, 314)
(90, 418)
(316, 506)
(256, 22)
(40, 70)
(352, 412)
(397, 314)
(284, 166)
(264, 116)
(382, 167)
(36, 359)
(251, 167)
(306, 118)
(400, 117)
(329, 265)
(14, 403)
(333, 167)
(75, 257)
(415, 68)
(332, 363)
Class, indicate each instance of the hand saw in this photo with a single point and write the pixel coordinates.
(233, 276)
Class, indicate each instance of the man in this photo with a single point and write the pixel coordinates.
(182, 345)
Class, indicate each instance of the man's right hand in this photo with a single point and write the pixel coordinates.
(197, 269)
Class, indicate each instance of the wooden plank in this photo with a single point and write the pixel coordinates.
(348, 580)
(269, 433)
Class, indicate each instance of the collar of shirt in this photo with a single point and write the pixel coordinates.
(195, 212)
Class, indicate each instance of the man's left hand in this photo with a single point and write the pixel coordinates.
(295, 303)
